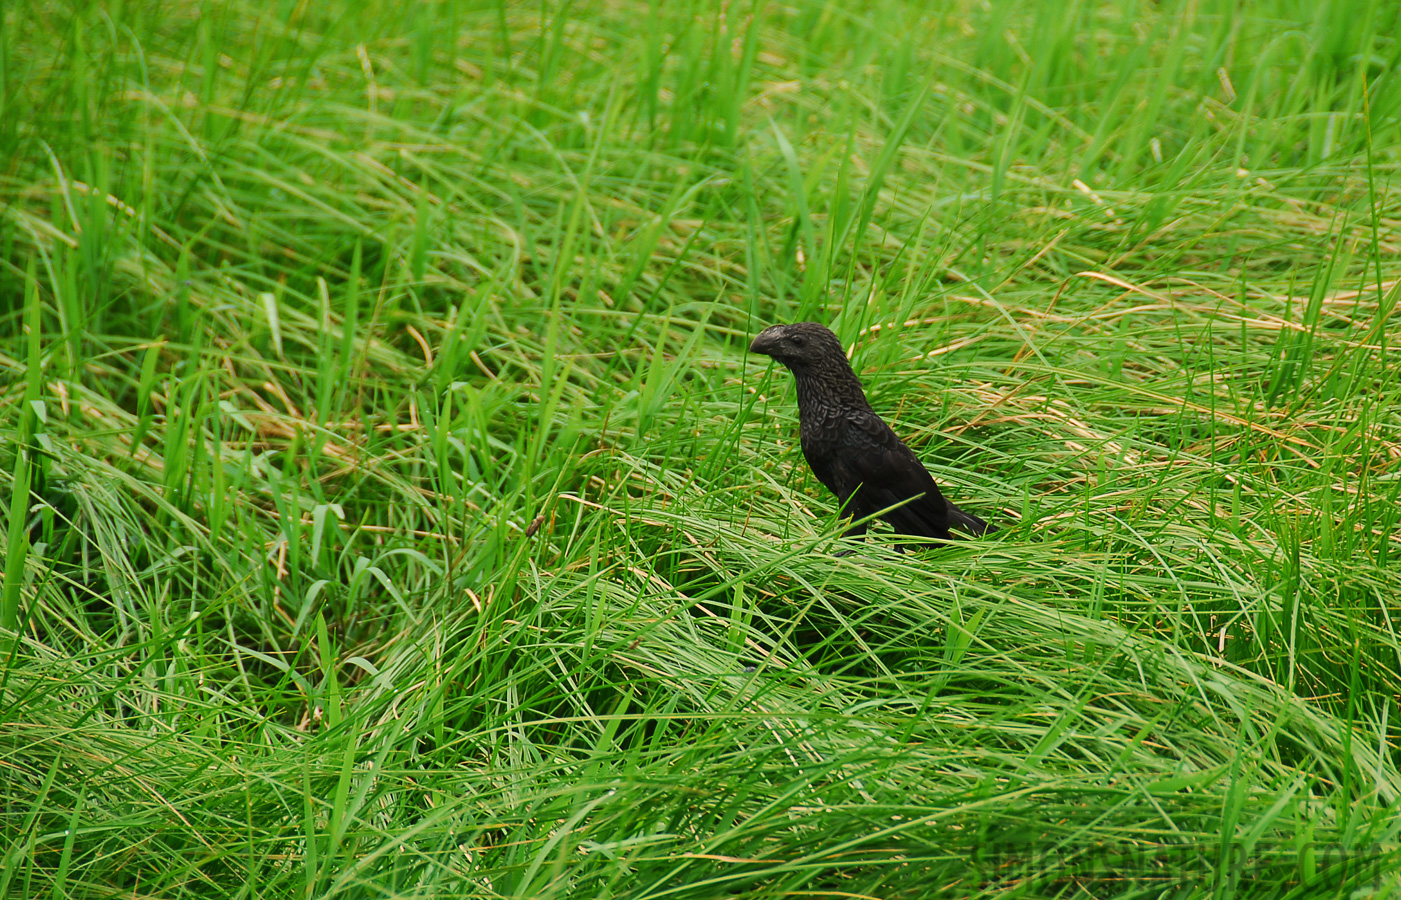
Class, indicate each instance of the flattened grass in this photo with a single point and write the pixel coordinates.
(392, 510)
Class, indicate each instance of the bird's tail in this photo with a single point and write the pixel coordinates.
(966, 521)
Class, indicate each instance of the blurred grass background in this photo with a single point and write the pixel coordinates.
(391, 509)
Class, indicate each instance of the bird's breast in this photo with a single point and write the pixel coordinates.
(821, 437)
(819, 426)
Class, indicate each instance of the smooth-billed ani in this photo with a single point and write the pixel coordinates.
(850, 449)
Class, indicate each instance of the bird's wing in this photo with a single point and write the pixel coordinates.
(888, 473)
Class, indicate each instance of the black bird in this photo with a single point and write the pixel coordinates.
(850, 449)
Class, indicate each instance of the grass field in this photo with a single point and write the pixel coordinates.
(391, 508)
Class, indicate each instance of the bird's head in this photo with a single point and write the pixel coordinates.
(802, 346)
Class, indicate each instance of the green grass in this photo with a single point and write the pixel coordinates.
(392, 510)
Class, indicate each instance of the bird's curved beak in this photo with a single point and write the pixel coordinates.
(766, 341)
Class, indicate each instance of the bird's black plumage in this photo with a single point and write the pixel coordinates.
(850, 449)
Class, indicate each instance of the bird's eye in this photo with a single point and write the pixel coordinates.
(798, 340)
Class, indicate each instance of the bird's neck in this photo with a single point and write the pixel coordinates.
(833, 386)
